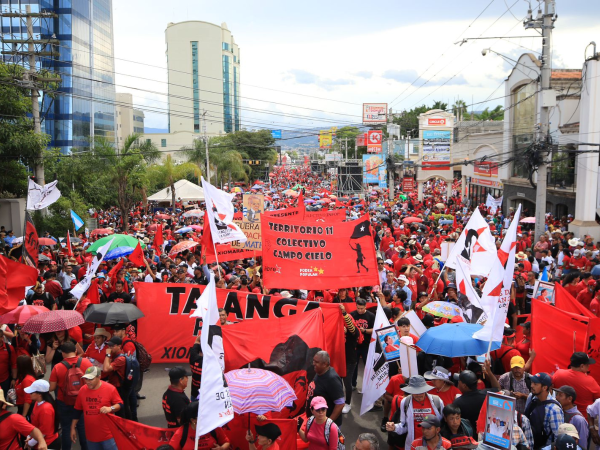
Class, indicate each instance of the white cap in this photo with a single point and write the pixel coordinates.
(403, 278)
(389, 261)
(407, 340)
(576, 253)
(38, 386)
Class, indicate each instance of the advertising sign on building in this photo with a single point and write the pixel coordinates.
(325, 139)
(382, 176)
(436, 122)
(371, 164)
(361, 140)
(276, 134)
(374, 113)
(486, 169)
(408, 184)
(374, 141)
(436, 150)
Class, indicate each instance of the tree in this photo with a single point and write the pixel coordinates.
(126, 169)
(167, 173)
(459, 109)
(495, 114)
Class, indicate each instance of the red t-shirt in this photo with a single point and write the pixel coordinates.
(12, 425)
(118, 363)
(42, 417)
(585, 298)
(59, 372)
(393, 387)
(447, 396)
(205, 441)
(578, 263)
(90, 401)
(92, 352)
(420, 410)
(595, 307)
(585, 386)
(8, 360)
(419, 443)
(22, 396)
(76, 334)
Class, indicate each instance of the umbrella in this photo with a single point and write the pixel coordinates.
(257, 186)
(440, 205)
(194, 213)
(316, 197)
(383, 216)
(185, 245)
(258, 391)
(412, 220)
(21, 314)
(101, 231)
(43, 258)
(162, 216)
(46, 241)
(309, 200)
(119, 240)
(111, 313)
(48, 322)
(380, 208)
(184, 230)
(453, 340)
(196, 227)
(443, 309)
(74, 240)
(528, 220)
(237, 189)
(276, 197)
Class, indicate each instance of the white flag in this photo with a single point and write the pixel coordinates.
(375, 378)
(85, 283)
(215, 403)
(493, 203)
(468, 300)
(40, 197)
(476, 246)
(219, 210)
(496, 292)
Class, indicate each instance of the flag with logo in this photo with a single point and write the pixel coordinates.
(219, 212)
(375, 378)
(30, 251)
(217, 408)
(68, 247)
(40, 197)
(14, 278)
(468, 300)
(86, 282)
(475, 246)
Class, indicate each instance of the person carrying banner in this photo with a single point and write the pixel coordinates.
(352, 336)
(577, 376)
(364, 321)
(196, 367)
(328, 385)
(185, 436)
(266, 436)
(517, 382)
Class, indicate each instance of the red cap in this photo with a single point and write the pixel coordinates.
(457, 319)
(591, 282)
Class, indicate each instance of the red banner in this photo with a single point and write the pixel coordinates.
(300, 212)
(486, 169)
(167, 307)
(31, 250)
(322, 256)
(14, 277)
(225, 252)
(408, 184)
(564, 301)
(327, 215)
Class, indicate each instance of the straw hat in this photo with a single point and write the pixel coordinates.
(3, 400)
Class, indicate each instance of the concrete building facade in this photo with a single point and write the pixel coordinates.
(128, 119)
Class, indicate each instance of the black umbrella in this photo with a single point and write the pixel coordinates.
(74, 240)
(112, 313)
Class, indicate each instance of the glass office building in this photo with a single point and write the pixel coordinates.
(84, 107)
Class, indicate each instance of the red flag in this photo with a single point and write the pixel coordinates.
(158, 239)
(286, 345)
(555, 336)
(93, 295)
(14, 277)
(115, 270)
(68, 248)
(236, 431)
(564, 301)
(137, 257)
(30, 250)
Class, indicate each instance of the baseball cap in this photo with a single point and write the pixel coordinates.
(565, 442)
(579, 358)
(115, 340)
(542, 378)
(567, 390)
(517, 361)
(38, 386)
(176, 373)
(468, 377)
(576, 253)
(100, 275)
(318, 403)
(270, 431)
(591, 282)
(430, 421)
(569, 429)
(91, 373)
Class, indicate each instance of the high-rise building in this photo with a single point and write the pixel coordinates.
(203, 63)
(84, 107)
(129, 120)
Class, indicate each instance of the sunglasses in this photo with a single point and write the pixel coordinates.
(320, 410)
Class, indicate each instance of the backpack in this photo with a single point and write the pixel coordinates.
(144, 358)
(341, 439)
(186, 430)
(73, 383)
(527, 382)
(132, 372)
(497, 366)
(536, 412)
(399, 440)
(569, 416)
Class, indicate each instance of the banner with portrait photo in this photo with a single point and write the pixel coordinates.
(500, 415)
(390, 342)
(253, 206)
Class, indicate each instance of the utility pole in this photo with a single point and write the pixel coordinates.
(346, 146)
(545, 22)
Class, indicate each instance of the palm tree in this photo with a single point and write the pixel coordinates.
(168, 173)
(459, 109)
(223, 160)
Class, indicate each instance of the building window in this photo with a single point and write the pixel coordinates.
(148, 141)
(227, 115)
(163, 143)
(225, 46)
(523, 123)
(236, 99)
(196, 87)
(234, 58)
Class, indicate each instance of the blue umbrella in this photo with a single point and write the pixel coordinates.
(355, 198)
(257, 186)
(119, 252)
(453, 340)
(316, 197)
(276, 197)
(184, 230)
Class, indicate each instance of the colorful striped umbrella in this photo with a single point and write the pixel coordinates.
(443, 309)
(258, 391)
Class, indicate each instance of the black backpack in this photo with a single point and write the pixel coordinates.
(141, 354)
(132, 372)
(497, 366)
(536, 413)
(399, 440)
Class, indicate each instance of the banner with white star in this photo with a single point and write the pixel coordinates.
(300, 254)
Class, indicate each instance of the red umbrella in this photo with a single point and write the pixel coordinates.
(46, 241)
(412, 220)
(21, 314)
(162, 216)
(185, 245)
(51, 321)
(101, 231)
(152, 227)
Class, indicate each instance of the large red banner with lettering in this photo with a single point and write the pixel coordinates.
(168, 333)
(328, 255)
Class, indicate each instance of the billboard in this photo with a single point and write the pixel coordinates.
(436, 150)
(408, 184)
(486, 169)
(361, 140)
(276, 134)
(371, 164)
(374, 113)
(325, 139)
(374, 141)
(382, 175)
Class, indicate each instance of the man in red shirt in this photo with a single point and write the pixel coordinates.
(577, 262)
(577, 376)
(8, 364)
(507, 351)
(431, 435)
(14, 425)
(115, 364)
(95, 399)
(586, 296)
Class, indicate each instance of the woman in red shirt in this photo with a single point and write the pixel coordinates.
(25, 377)
(97, 351)
(184, 437)
(44, 416)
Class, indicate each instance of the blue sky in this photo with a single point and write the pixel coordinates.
(331, 56)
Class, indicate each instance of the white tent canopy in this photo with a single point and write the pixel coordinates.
(184, 190)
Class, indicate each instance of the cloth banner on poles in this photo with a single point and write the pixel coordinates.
(476, 246)
(320, 256)
(493, 204)
(40, 197)
(219, 212)
(375, 379)
(31, 247)
(86, 282)
(168, 306)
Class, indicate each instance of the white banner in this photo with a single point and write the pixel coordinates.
(215, 402)
(476, 247)
(468, 300)
(496, 292)
(84, 284)
(40, 197)
(219, 210)
(375, 378)
(493, 204)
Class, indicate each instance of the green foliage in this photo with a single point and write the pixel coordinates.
(459, 109)
(168, 173)
(58, 220)
(495, 114)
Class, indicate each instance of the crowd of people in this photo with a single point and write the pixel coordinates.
(95, 369)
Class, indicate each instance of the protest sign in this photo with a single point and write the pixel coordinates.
(390, 342)
(408, 360)
(252, 231)
(500, 416)
(253, 205)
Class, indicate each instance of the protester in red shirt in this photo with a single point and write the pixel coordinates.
(444, 387)
(507, 351)
(431, 438)
(184, 437)
(8, 364)
(96, 352)
(25, 377)
(266, 437)
(577, 376)
(14, 425)
(44, 415)
(585, 297)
